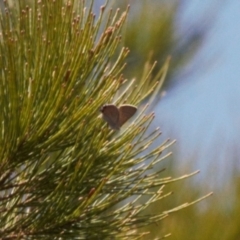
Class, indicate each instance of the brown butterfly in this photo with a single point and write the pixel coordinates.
(116, 117)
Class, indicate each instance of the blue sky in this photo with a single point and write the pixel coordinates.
(202, 111)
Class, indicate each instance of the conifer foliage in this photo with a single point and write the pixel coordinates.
(63, 173)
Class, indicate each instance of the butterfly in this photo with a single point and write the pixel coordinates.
(116, 117)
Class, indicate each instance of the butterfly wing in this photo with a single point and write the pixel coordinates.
(110, 114)
(126, 112)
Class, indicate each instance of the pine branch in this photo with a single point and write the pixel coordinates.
(63, 172)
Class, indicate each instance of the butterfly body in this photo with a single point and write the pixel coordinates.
(116, 117)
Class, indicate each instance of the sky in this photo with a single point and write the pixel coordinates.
(202, 111)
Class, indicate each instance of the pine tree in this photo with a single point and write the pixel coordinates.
(64, 174)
